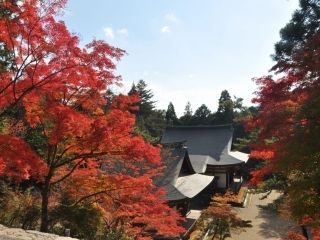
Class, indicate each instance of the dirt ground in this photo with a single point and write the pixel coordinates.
(266, 224)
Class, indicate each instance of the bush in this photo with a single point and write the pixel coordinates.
(84, 220)
(19, 209)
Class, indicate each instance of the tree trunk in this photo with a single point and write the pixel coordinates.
(45, 203)
(44, 209)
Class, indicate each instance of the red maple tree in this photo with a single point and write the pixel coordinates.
(289, 128)
(67, 140)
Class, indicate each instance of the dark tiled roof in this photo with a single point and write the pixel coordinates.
(179, 179)
(173, 155)
(207, 145)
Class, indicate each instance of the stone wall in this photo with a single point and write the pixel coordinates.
(20, 234)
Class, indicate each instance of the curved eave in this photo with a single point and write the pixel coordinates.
(240, 155)
(192, 185)
(187, 187)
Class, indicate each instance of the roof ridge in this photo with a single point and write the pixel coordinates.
(202, 126)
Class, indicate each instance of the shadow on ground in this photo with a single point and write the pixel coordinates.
(273, 226)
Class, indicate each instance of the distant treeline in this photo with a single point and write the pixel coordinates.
(151, 122)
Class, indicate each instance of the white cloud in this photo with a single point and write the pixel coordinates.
(170, 20)
(123, 31)
(170, 17)
(108, 31)
(111, 33)
(165, 29)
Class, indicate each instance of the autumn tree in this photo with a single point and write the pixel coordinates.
(219, 218)
(57, 134)
(288, 117)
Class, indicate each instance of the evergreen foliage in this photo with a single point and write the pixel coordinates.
(150, 122)
(201, 116)
(225, 113)
(187, 117)
(146, 104)
(303, 25)
(171, 117)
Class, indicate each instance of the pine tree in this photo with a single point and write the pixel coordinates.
(186, 119)
(146, 105)
(201, 115)
(150, 123)
(133, 90)
(188, 110)
(303, 26)
(171, 117)
(225, 113)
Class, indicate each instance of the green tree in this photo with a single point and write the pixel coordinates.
(171, 117)
(150, 123)
(155, 123)
(186, 119)
(188, 110)
(146, 104)
(303, 26)
(201, 115)
(241, 137)
(225, 113)
(228, 109)
(133, 90)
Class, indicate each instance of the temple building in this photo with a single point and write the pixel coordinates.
(180, 179)
(208, 150)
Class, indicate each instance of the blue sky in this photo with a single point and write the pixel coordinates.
(186, 50)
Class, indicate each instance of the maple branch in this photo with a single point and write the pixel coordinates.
(19, 72)
(54, 73)
(82, 157)
(67, 100)
(103, 192)
(34, 71)
(69, 173)
(29, 89)
(52, 152)
(85, 155)
(64, 152)
(48, 155)
(98, 199)
(11, 40)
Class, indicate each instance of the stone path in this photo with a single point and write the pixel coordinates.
(265, 223)
(20, 234)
